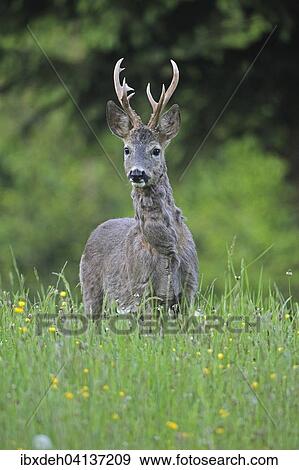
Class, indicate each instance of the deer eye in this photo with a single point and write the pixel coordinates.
(127, 151)
(156, 152)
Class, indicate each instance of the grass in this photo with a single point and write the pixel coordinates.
(190, 389)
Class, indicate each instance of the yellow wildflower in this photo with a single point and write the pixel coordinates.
(54, 381)
(223, 413)
(85, 370)
(52, 329)
(122, 394)
(63, 294)
(296, 366)
(19, 310)
(220, 356)
(21, 303)
(287, 316)
(85, 394)
(228, 366)
(23, 329)
(115, 416)
(210, 351)
(198, 353)
(280, 349)
(27, 320)
(273, 376)
(206, 370)
(255, 385)
(105, 388)
(219, 430)
(172, 425)
(69, 395)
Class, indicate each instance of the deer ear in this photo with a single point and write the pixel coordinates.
(118, 121)
(169, 124)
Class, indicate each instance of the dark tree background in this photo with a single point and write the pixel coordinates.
(56, 183)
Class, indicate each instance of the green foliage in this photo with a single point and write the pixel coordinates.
(240, 196)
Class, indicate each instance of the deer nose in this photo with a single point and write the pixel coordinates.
(138, 176)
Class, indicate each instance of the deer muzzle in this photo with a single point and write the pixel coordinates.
(138, 177)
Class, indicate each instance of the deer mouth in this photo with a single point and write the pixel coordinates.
(141, 184)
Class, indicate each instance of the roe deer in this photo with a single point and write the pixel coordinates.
(154, 252)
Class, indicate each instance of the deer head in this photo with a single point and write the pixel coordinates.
(144, 145)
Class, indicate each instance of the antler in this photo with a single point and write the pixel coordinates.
(122, 94)
(164, 97)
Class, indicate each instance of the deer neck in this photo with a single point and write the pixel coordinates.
(155, 204)
(159, 222)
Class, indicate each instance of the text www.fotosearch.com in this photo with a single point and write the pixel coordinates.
(128, 459)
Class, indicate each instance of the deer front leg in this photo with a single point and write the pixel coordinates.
(174, 263)
(164, 239)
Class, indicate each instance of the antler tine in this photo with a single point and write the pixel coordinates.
(126, 88)
(174, 82)
(122, 94)
(117, 84)
(157, 106)
(164, 97)
(154, 104)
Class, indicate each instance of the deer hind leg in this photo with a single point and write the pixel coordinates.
(91, 287)
(93, 302)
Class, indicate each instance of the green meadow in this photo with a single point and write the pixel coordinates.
(221, 376)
